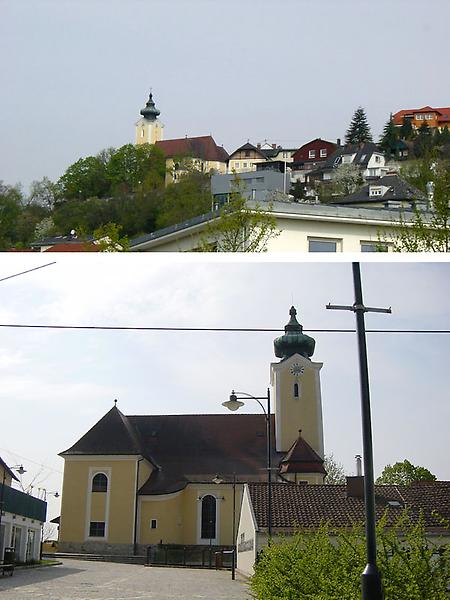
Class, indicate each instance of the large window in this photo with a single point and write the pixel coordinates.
(208, 518)
(323, 245)
(374, 247)
(100, 483)
(97, 529)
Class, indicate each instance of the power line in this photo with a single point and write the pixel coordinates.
(28, 271)
(214, 329)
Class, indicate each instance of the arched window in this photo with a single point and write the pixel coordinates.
(208, 517)
(100, 483)
(295, 390)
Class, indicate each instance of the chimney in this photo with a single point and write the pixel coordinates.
(274, 146)
(338, 142)
(355, 487)
(258, 145)
(358, 465)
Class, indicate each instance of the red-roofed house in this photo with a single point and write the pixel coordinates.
(200, 152)
(434, 117)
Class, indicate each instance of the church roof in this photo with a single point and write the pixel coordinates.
(183, 448)
(150, 111)
(301, 458)
(295, 506)
(113, 434)
(203, 147)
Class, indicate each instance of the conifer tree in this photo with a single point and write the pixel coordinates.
(406, 130)
(359, 129)
(389, 139)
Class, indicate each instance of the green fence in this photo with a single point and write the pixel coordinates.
(18, 503)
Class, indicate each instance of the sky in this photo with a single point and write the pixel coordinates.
(75, 73)
(56, 384)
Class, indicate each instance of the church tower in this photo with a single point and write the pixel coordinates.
(295, 384)
(149, 129)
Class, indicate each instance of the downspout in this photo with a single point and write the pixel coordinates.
(136, 508)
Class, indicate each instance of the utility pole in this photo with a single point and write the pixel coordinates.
(371, 587)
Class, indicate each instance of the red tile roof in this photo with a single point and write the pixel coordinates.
(203, 147)
(301, 458)
(443, 117)
(296, 506)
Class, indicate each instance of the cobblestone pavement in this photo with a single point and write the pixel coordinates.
(84, 580)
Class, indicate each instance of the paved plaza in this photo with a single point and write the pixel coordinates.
(83, 580)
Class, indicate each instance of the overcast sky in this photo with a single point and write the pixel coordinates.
(57, 383)
(75, 73)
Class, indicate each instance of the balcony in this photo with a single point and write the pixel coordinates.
(18, 503)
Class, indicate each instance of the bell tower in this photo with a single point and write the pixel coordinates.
(295, 381)
(149, 129)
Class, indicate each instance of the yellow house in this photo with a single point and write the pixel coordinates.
(136, 481)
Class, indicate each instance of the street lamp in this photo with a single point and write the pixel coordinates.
(218, 480)
(233, 404)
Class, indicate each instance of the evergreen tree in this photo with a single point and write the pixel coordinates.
(359, 129)
(423, 143)
(406, 130)
(389, 139)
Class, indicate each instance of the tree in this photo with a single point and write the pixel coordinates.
(406, 129)
(335, 470)
(347, 178)
(427, 231)
(389, 139)
(108, 238)
(189, 197)
(239, 227)
(359, 128)
(86, 178)
(43, 193)
(326, 564)
(423, 143)
(404, 473)
(132, 165)
(11, 204)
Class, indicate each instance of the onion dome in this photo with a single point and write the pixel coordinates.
(294, 341)
(150, 112)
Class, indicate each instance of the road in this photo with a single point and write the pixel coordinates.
(84, 580)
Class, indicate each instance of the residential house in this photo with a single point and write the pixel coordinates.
(301, 227)
(390, 191)
(201, 153)
(276, 152)
(136, 481)
(310, 157)
(297, 507)
(366, 157)
(436, 118)
(22, 517)
(245, 158)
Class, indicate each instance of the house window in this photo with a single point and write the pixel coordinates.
(375, 191)
(244, 165)
(323, 152)
(100, 483)
(419, 117)
(153, 524)
(247, 153)
(208, 517)
(323, 245)
(312, 154)
(97, 529)
(373, 247)
(377, 159)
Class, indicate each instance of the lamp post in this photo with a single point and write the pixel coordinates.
(371, 586)
(233, 404)
(217, 480)
(21, 471)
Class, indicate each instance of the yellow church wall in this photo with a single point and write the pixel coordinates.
(167, 510)
(5, 477)
(116, 507)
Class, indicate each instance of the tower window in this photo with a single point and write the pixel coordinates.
(153, 524)
(296, 390)
(100, 483)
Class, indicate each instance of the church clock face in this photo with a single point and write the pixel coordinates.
(297, 369)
